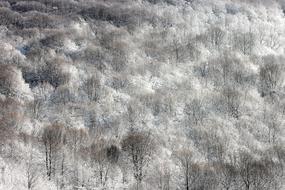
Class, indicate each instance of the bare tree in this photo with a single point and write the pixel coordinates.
(134, 113)
(273, 41)
(277, 152)
(10, 115)
(231, 100)
(160, 102)
(273, 123)
(32, 172)
(224, 70)
(164, 178)
(245, 170)
(280, 152)
(226, 66)
(36, 107)
(52, 137)
(95, 56)
(92, 88)
(195, 111)
(3, 168)
(203, 71)
(63, 95)
(270, 75)
(139, 146)
(192, 50)
(244, 42)
(228, 174)
(216, 36)
(254, 173)
(196, 176)
(76, 139)
(62, 162)
(7, 81)
(176, 47)
(119, 58)
(99, 158)
(187, 167)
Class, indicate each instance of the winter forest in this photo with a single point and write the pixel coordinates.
(142, 95)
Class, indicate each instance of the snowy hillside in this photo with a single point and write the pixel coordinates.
(142, 94)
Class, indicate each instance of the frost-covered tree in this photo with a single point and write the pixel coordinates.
(230, 98)
(187, 167)
(52, 139)
(139, 146)
(99, 158)
(270, 75)
(227, 175)
(76, 139)
(196, 175)
(92, 87)
(244, 42)
(195, 111)
(32, 172)
(274, 125)
(215, 36)
(8, 122)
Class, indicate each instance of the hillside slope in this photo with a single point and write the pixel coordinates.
(142, 94)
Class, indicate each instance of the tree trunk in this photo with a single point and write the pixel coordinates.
(47, 159)
(50, 163)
